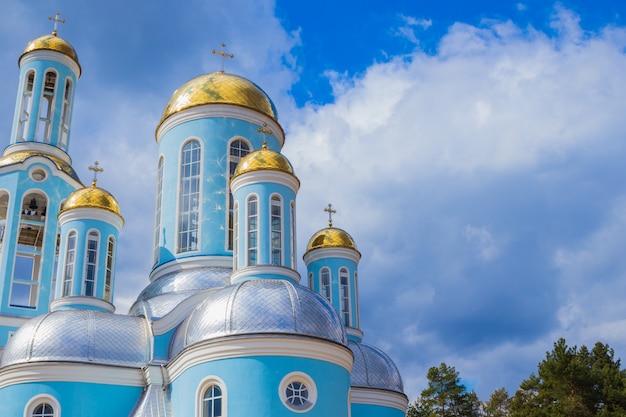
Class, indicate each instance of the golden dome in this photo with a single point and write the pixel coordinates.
(219, 88)
(52, 42)
(331, 237)
(263, 159)
(21, 156)
(92, 197)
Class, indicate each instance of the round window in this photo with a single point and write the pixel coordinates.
(298, 392)
(38, 174)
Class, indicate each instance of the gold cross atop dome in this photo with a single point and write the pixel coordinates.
(56, 20)
(264, 130)
(330, 212)
(96, 170)
(224, 54)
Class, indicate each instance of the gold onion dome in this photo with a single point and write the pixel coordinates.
(220, 88)
(92, 197)
(263, 160)
(52, 42)
(331, 237)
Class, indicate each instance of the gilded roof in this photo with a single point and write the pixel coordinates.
(92, 197)
(220, 88)
(263, 159)
(21, 156)
(331, 237)
(52, 42)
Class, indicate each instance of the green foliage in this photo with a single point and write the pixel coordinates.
(498, 405)
(573, 382)
(445, 396)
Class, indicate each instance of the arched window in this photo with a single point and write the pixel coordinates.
(157, 219)
(27, 98)
(45, 107)
(43, 410)
(236, 235)
(91, 263)
(65, 115)
(108, 273)
(325, 283)
(212, 402)
(43, 406)
(311, 281)
(189, 197)
(68, 265)
(277, 230)
(345, 296)
(27, 262)
(236, 150)
(253, 230)
(292, 226)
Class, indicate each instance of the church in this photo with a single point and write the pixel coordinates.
(224, 326)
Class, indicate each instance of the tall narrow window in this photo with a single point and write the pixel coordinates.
(212, 402)
(108, 273)
(253, 225)
(91, 263)
(157, 221)
(237, 150)
(311, 281)
(345, 296)
(325, 283)
(27, 98)
(27, 261)
(277, 230)
(4, 208)
(65, 115)
(356, 299)
(189, 200)
(236, 235)
(292, 237)
(45, 107)
(68, 265)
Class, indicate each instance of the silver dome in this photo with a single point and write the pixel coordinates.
(168, 291)
(259, 306)
(373, 368)
(80, 336)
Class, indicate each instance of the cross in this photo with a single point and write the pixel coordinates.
(330, 212)
(56, 22)
(96, 170)
(264, 129)
(223, 54)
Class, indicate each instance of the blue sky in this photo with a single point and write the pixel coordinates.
(474, 150)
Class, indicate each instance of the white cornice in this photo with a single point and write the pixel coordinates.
(13, 321)
(258, 270)
(260, 345)
(91, 213)
(43, 148)
(70, 372)
(271, 176)
(380, 397)
(79, 300)
(45, 54)
(325, 253)
(190, 263)
(221, 111)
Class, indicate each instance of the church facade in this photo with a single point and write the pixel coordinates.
(224, 327)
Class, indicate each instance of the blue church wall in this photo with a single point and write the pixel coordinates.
(75, 399)
(334, 265)
(161, 345)
(252, 386)
(214, 135)
(367, 410)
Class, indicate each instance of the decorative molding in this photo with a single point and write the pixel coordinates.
(91, 213)
(190, 263)
(233, 111)
(81, 300)
(260, 270)
(380, 397)
(45, 54)
(266, 175)
(325, 253)
(37, 372)
(43, 148)
(13, 321)
(260, 345)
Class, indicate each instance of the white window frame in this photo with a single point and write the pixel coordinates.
(205, 384)
(233, 160)
(276, 245)
(191, 212)
(252, 249)
(66, 110)
(344, 296)
(109, 269)
(308, 382)
(69, 264)
(326, 291)
(45, 115)
(26, 106)
(92, 236)
(157, 217)
(40, 399)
